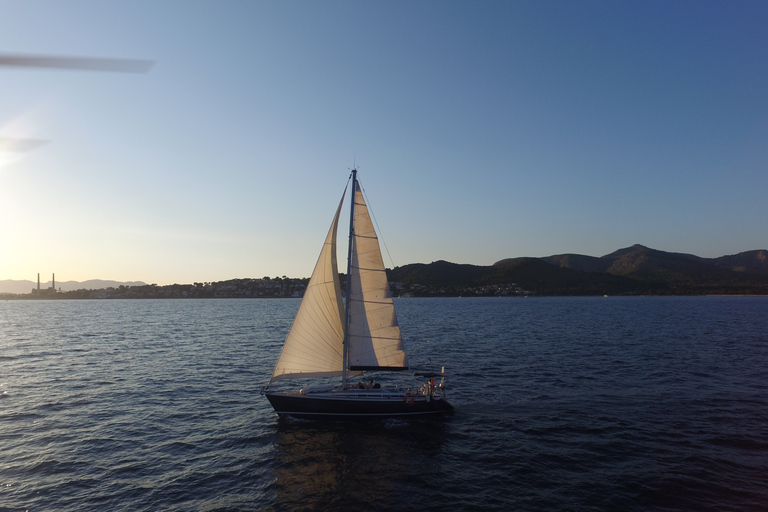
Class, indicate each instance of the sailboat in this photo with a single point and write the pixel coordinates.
(335, 335)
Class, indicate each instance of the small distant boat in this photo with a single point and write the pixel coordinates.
(332, 337)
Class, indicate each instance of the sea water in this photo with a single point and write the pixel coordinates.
(562, 404)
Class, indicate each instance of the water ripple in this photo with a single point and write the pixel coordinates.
(563, 404)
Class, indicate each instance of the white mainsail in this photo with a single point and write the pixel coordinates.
(373, 334)
(314, 344)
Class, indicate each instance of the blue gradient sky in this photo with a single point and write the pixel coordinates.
(482, 131)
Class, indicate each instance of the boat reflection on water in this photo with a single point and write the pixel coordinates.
(355, 466)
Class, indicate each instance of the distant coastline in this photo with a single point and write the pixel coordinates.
(635, 270)
(234, 288)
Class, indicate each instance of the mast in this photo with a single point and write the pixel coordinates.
(345, 350)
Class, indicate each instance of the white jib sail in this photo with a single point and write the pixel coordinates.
(314, 344)
(375, 341)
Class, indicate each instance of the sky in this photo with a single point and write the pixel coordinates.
(481, 131)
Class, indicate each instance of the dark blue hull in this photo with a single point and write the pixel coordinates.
(358, 405)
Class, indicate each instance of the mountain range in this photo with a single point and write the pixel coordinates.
(633, 270)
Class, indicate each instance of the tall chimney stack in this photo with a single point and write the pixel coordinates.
(53, 279)
(38, 280)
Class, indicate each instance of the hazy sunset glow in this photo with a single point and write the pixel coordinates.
(481, 131)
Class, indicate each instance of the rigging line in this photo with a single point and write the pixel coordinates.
(369, 269)
(363, 301)
(375, 337)
(380, 237)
